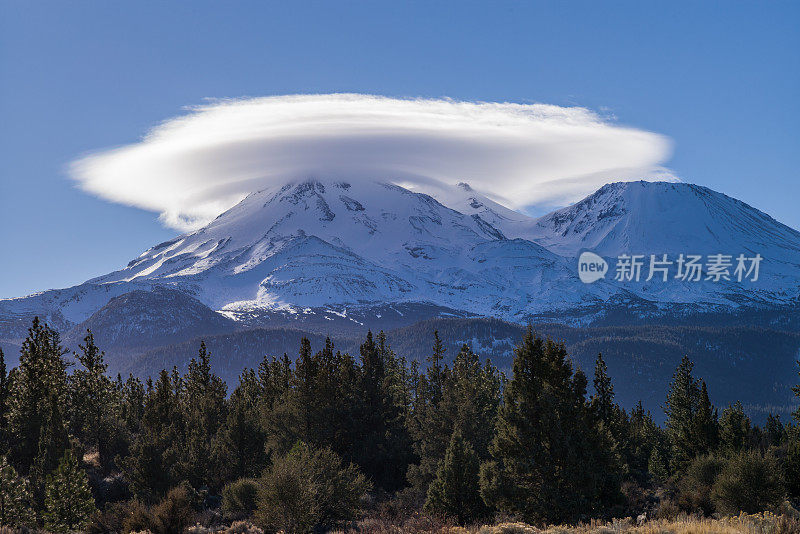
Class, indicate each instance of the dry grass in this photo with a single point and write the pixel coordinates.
(765, 523)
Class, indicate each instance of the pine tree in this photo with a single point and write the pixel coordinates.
(657, 465)
(132, 403)
(154, 463)
(5, 388)
(16, 501)
(429, 424)
(92, 416)
(381, 446)
(436, 373)
(68, 500)
(471, 398)
(39, 384)
(792, 468)
(469, 401)
(734, 429)
(644, 439)
(792, 464)
(242, 439)
(602, 402)
(204, 409)
(455, 492)
(691, 419)
(53, 441)
(775, 430)
(796, 391)
(706, 423)
(550, 461)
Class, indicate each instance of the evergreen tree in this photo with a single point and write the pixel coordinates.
(691, 420)
(435, 365)
(775, 430)
(381, 447)
(602, 402)
(68, 502)
(734, 429)
(471, 398)
(5, 387)
(792, 463)
(706, 422)
(550, 461)
(469, 401)
(204, 409)
(429, 424)
(796, 391)
(455, 492)
(243, 438)
(792, 468)
(132, 403)
(644, 437)
(657, 465)
(16, 501)
(615, 421)
(154, 464)
(53, 441)
(92, 416)
(39, 384)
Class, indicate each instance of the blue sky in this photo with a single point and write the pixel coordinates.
(721, 79)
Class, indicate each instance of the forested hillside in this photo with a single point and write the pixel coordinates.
(751, 364)
(324, 439)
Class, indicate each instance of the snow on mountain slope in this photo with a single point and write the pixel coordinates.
(329, 247)
(678, 218)
(328, 243)
(662, 217)
(464, 199)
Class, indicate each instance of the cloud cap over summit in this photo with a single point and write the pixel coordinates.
(192, 167)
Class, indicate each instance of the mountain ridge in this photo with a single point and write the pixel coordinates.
(330, 247)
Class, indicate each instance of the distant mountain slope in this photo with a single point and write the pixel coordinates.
(145, 319)
(752, 364)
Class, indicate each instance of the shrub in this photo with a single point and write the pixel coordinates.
(694, 488)
(792, 465)
(111, 519)
(175, 513)
(242, 527)
(239, 498)
(508, 528)
(749, 482)
(137, 518)
(308, 490)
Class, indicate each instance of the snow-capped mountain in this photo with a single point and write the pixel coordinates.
(663, 217)
(363, 249)
(318, 243)
(645, 218)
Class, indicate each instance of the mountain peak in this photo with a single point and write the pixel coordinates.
(662, 217)
(334, 244)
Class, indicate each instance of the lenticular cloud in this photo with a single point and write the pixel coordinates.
(193, 167)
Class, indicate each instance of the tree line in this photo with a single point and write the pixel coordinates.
(310, 443)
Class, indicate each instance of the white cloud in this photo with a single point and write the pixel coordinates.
(193, 167)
